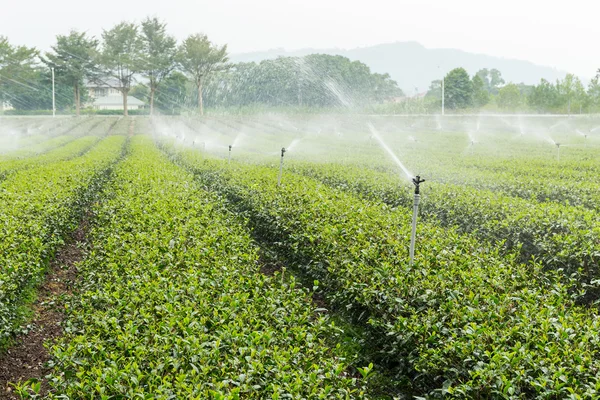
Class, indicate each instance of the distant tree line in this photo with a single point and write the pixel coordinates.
(314, 81)
(127, 53)
(145, 61)
(148, 63)
(488, 90)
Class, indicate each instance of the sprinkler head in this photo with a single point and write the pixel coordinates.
(230, 147)
(283, 150)
(557, 145)
(417, 181)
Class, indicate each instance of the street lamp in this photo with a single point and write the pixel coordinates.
(53, 96)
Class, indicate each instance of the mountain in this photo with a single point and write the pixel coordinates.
(414, 66)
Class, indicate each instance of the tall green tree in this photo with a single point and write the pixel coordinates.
(492, 79)
(316, 80)
(566, 91)
(160, 54)
(593, 92)
(200, 58)
(481, 96)
(17, 67)
(74, 59)
(496, 81)
(509, 97)
(435, 89)
(484, 75)
(544, 97)
(122, 56)
(458, 89)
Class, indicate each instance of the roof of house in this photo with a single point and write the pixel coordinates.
(104, 82)
(117, 99)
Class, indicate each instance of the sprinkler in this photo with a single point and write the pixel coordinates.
(229, 160)
(417, 182)
(557, 151)
(281, 166)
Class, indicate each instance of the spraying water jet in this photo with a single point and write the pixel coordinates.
(375, 134)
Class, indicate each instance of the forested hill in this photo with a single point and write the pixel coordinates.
(414, 67)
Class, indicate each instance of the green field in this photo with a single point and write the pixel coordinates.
(205, 279)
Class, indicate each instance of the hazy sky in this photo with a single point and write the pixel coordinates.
(561, 34)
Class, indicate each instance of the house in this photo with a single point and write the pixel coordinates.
(5, 106)
(103, 87)
(115, 102)
(105, 95)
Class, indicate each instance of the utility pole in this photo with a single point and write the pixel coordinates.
(443, 95)
(53, 96)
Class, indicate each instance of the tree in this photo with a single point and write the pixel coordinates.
(581, 100)
(509, 97)
(593, 92)
(122, 56)
(32, 90)
(492, 79)
(566, 91)
(172, 95)
(17, 66)
(544, 96)
(200, 58)
(458, 89)
(74, 60)
(160, 51)
(484, 75)
(571, 93)
(435, 89)
(316, 80)
(496, 81)
(481, 95)
(170, 98)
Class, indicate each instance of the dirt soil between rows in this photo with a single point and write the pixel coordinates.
(28, 357)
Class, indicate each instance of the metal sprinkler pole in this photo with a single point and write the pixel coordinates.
(280, 167)
(416, 181)
(229, 159)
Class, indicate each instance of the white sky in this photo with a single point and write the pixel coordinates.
(557, 33)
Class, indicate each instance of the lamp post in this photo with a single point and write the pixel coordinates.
(53, 96)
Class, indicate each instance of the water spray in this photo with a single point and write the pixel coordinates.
(229, 159)
(281, 167)
(417, 182)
